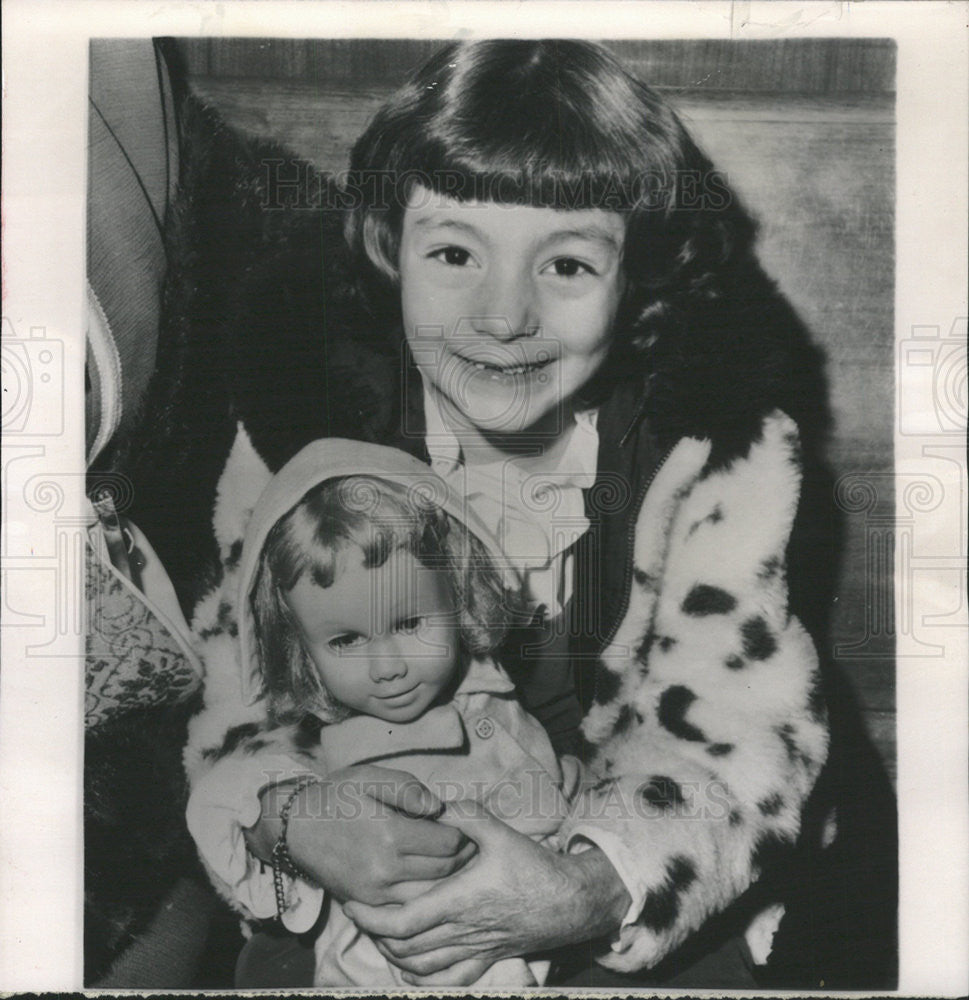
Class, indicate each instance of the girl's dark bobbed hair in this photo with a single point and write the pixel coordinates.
(558, 124)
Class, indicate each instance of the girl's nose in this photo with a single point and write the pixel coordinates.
(507, 307)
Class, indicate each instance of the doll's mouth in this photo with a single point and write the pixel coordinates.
(399, 696)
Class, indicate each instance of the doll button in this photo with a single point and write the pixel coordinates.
(485, 728)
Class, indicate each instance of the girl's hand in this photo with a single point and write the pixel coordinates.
(516, 897)
(461, 974)
(365, 833)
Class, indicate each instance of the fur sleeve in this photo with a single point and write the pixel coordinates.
(232, 754)
(707, 734)
(231, 757)
(226, 724)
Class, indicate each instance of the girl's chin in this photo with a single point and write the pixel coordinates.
(496, 403)
(497, 412)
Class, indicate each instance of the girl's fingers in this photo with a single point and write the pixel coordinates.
(422, 866)
(441, 936)
(404, 892)
(476, 821)
(421, 964)
(419, 915)
(429, 838)
(384, 950)
(398, 789)
(431, 962)
(460, 974)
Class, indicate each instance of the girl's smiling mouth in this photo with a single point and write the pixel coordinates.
(510, 369)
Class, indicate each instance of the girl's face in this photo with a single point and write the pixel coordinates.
(385, 639)
(508, 310)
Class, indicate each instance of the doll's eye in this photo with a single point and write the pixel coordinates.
(410, 625)
(569, 267)
(452, 256)
(346, 641)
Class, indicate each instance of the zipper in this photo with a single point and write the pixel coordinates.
(628, 579)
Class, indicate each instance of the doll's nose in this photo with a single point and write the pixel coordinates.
(387, 663)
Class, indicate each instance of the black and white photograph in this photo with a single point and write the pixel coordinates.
(515, 503)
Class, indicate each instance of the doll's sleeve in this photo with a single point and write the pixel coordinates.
(708, 730)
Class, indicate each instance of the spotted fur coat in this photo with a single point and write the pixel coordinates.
(708, 733)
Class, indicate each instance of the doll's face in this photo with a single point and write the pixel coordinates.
(384, 640)
(508, 310)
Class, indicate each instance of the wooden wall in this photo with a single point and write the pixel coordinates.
(785, 66)
(805, 132)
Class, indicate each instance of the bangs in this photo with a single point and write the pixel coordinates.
(547, 124)
(554, 180)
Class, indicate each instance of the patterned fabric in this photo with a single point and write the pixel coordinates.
(132, 659)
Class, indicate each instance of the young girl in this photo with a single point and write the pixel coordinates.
(368, 613)
(558, 305)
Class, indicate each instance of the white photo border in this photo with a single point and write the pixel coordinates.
(45, 49)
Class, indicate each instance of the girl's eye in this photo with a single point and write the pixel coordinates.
(346, 641)
(569, 267)
(410, 625)
(452, 256)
